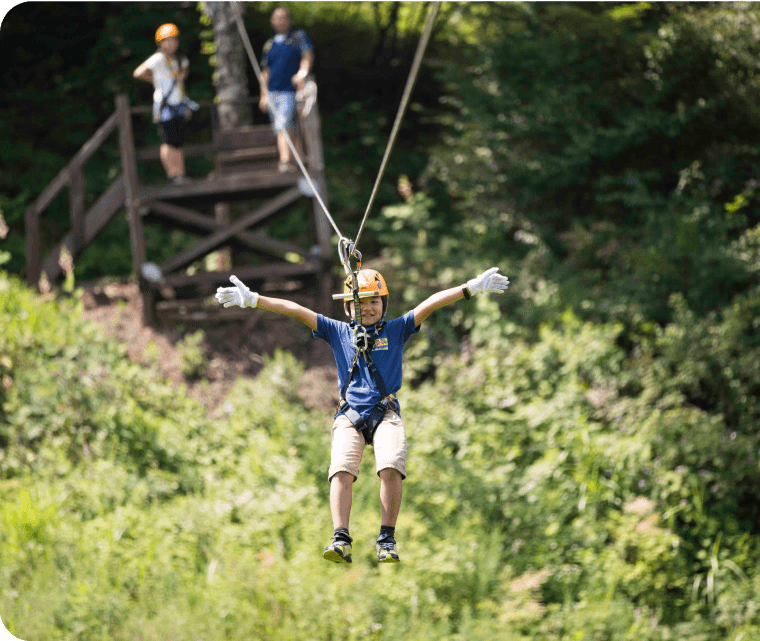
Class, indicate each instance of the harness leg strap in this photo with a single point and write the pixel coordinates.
(368, 426)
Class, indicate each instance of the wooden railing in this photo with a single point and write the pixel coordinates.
(86, 225)
(71, 176)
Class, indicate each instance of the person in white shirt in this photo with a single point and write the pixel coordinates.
(167, 71)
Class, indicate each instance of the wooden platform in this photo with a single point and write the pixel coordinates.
(245, 169)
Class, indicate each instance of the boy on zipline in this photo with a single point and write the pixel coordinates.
(369, 378)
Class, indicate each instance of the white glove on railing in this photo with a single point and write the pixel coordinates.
(238, 295)
(488, 281)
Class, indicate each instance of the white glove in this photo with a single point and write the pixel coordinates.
(488, 281)
(238, 295)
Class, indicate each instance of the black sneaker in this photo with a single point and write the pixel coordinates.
(338, 550)
(386, 551)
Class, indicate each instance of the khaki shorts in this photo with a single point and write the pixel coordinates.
(347, 446)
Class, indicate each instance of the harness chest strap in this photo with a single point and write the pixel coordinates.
(388, 401)
(373, 372)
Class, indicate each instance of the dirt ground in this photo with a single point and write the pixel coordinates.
(232, 348)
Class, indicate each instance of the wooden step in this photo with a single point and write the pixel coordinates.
(247, 154)
(245, 137)
(237, 183)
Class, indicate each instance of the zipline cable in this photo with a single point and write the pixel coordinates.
(402, 108)
(260, 77)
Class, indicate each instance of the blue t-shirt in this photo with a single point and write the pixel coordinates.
(284, 58)
(362, 394)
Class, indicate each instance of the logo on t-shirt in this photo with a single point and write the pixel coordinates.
(381, 343)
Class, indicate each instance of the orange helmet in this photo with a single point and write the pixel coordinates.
(167, 30)
(371, 283)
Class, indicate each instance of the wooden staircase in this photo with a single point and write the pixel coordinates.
(245, 170)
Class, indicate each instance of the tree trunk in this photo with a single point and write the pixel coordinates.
(231, 76)
(231, 80)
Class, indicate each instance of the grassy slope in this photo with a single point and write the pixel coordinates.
(129, 512)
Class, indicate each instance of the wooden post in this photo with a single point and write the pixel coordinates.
(32, 233)
(129, 169)
(224, 254)
(312, 133)
(76, 207)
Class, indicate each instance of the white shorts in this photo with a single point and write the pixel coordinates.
(347, 446)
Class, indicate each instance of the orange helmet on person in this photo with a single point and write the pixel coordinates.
(167, 30)
(371, 283)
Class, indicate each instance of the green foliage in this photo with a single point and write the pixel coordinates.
(583, 450)
(559, 484)
(602, 146)
(194, 363)
(68, 395)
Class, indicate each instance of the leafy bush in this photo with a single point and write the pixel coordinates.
(194, 363)
(560, 484)
(70, 395)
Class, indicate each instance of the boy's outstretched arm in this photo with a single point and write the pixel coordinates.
(488, 281)
(243, 297)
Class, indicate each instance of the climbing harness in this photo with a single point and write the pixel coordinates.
(388, 401)
(363, 338)
(363, 283)
(364, 342)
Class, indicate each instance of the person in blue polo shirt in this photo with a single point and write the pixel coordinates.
(287, 60)
(369, 412)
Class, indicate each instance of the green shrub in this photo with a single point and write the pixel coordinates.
(560, 485)
(194, 363)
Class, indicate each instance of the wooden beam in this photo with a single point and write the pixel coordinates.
(255, 273)
(191, 309)
(32, 213)
(96, 218)
(208, 245)
(50, 192)
(129, 168)
(76, 207)
(257, 242)
(32, 236)
(238, 155)
(312, 128)
(245, 137)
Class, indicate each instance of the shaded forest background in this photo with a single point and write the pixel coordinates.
(584, 450)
